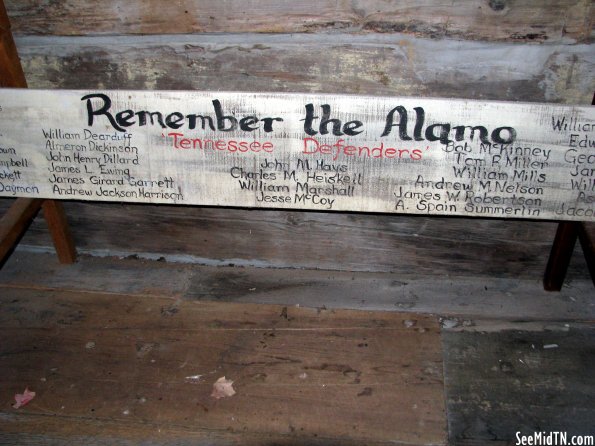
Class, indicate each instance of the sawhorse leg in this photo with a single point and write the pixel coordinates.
(55, 217)
(18, 218)
(564, 242)
(14, 224)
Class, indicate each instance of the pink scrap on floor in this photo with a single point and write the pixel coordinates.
(23, 398)
(223, 388)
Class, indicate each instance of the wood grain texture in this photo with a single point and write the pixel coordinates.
(356, 242)
(502, 382)
(562, 249)
(92, 432)
(53, 212)
(15, 221)
(460, 298)
(298, 373)
(11, 72)
(355, 64)
(12, 75)
(528, 161)
(510, 20)
(587, 239)
(361, 64)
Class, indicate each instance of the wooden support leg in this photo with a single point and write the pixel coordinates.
(11, 71)
(17, 219)
(560, 255)
(55, 217)
(586, 235)
(15, 222)
(566, 236)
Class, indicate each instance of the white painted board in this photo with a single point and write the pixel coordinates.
(300, 151)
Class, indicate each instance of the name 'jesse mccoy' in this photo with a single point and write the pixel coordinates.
(312, 198)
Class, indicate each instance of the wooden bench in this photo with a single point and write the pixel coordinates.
(289, 362)
(328, 153)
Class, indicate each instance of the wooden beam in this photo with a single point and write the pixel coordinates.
(15, 222)
(54, 214)
(564, 242)
(560, 255)
(586, 236)
(531, 21)
(21, 213)
(287, 165)
(11, 71)
(194, 61)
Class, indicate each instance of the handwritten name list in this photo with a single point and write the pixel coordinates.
(319, 152)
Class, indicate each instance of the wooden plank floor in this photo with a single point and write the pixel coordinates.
(114, 368)
(520, 377)
(190, 319)
(450, 296)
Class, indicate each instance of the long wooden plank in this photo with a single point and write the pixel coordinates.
(94, 432)
(94, 311)
(459, 297)
(303, 373)
(376, 64)
(319, 152)
(528, 21)
(410, 245)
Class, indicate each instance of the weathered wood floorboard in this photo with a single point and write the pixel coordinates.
(527, 21)
(353, 242)
(464, 298)
(356, 64)
(112, 367)
(132, 362)
(502, 382)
